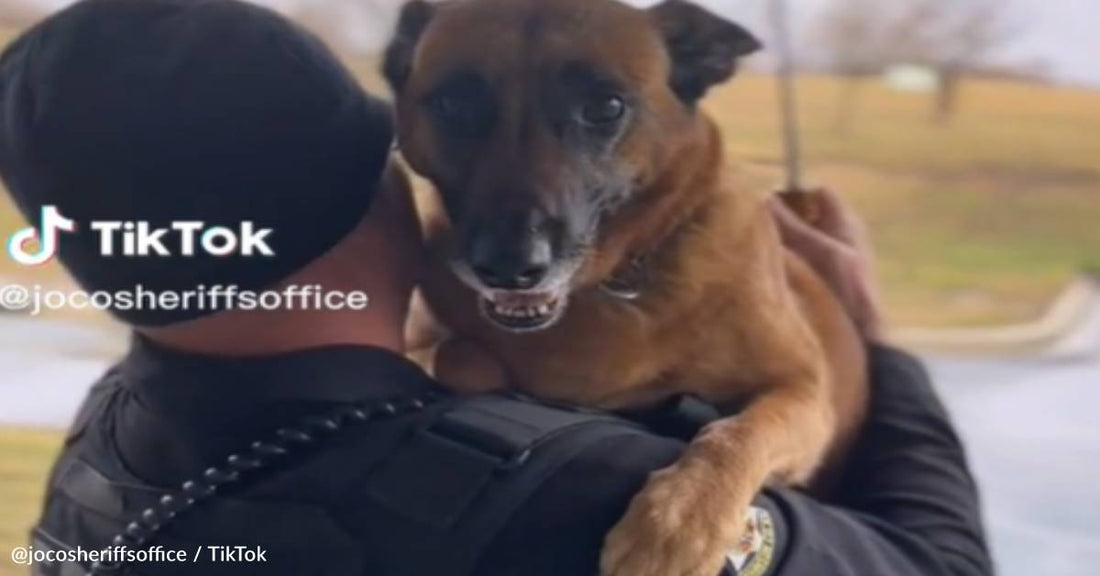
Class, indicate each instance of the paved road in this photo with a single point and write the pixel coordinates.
(1034, 440)
(1031, 426)
(47, 367)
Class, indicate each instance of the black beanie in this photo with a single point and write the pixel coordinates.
(163, 111)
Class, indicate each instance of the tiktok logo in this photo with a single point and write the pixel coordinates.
(46, 235)
(138, 239)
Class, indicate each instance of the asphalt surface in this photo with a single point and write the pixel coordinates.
(1031, 426)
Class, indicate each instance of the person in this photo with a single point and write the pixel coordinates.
(235, 440)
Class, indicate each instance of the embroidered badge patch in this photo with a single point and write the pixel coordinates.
(754, 554)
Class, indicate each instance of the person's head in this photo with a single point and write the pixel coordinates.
(238, 135)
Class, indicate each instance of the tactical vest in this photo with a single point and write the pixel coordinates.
(445, 491)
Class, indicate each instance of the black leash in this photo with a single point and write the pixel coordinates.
(261, 456)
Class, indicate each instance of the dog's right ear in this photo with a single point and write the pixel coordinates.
(414, 19)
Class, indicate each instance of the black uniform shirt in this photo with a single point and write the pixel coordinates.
(910, 507)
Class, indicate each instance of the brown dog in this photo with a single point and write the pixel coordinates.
(597, 248)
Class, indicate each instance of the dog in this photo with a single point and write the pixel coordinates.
(594, 245)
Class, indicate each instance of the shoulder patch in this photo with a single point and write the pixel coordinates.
(756, 551)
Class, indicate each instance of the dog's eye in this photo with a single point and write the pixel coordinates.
(461, 116)
(463, 111)
(449, 108)
(463, 107)
(603, 110)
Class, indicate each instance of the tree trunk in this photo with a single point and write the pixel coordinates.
(947, 96)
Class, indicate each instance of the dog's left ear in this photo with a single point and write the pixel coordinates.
(397, 63)
(703, 46)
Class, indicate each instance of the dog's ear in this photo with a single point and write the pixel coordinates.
(414, 19)
(704, 47)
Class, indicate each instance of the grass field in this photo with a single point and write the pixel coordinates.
(25, 458)
(976, 222)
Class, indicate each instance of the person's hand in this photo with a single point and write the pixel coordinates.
(837, 247)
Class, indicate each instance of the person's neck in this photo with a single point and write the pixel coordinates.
(238, 333)
(269, 333)
(380, 258)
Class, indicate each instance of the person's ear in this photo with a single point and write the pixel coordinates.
(397, 64)
(704, 48)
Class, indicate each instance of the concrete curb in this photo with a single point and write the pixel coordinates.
(1073, 308)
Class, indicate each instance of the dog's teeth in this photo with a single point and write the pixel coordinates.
(523, 312)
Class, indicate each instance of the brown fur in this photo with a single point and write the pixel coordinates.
(726, 312)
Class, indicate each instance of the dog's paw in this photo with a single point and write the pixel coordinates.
(683, 523)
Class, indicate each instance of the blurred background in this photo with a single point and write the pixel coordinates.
(966, 132)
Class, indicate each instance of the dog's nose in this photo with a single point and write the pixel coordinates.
(511, 266)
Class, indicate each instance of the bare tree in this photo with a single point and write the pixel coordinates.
(955, 37)
(851, 34)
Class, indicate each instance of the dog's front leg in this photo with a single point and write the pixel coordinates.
(692, 514)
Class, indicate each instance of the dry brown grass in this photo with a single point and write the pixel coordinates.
(980, 221)
(25, 458)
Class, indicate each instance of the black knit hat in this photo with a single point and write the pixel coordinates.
(187, 110)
